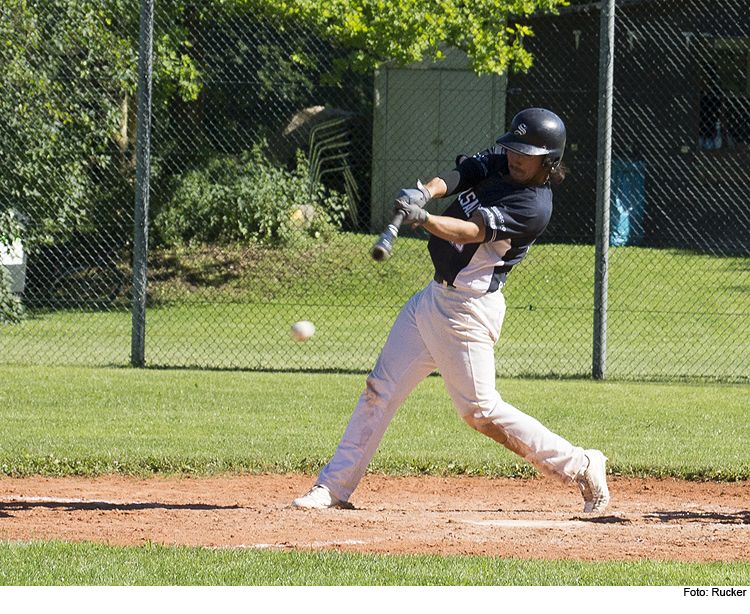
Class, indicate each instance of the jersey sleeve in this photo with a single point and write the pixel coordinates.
(470, 171)
(516, 216)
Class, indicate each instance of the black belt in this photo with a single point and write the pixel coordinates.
(441, 280)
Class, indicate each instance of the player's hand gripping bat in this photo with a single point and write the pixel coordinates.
(382, 248)
(410, 205)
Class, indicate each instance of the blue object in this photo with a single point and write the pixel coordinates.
(627, 202)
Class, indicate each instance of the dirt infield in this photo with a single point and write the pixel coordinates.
(654, 519)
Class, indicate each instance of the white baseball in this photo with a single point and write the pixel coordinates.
(302, 331)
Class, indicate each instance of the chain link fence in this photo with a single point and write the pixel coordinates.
(66, 203)
(679, 238)
(274, 167)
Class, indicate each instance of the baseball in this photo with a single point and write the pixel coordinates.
(302, 331)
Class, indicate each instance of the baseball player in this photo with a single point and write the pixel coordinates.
(504, 203)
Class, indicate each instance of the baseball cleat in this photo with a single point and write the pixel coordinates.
(593, 482)
(320, 498)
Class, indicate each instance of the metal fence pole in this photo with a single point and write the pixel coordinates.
(603, 177)
(143, 146)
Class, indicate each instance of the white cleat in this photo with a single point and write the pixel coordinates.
(593, 483)
(320, 498)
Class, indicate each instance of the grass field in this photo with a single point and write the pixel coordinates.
(45, 563)
(66, 420)
(232, 308)
(267, 404)
(88, 421)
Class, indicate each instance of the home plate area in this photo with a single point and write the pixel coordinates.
(661, 519)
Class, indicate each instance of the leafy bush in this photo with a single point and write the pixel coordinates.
(248, 199)
(11, 309)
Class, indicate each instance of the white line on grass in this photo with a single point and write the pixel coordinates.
(338, 542)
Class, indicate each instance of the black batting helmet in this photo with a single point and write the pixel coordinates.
(536, 132)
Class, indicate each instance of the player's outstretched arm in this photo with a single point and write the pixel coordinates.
(455, 230)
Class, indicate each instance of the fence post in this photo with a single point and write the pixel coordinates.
(142, 183)
(603, 185)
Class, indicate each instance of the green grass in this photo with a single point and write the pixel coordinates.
(63, 564)
(666, 323)
(87, 421)
(64, 420)
(673, 315)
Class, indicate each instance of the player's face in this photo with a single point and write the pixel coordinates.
(526, 170)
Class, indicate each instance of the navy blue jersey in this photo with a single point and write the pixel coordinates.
(514, 217)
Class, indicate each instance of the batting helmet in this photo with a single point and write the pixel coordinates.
(536, 132)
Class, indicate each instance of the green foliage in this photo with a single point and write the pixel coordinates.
(41, 121)
(10, 227)
(67, 109)
(11, 308)
(68, 89)
(407, 31)
(248, 199)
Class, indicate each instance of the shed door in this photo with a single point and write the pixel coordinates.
(423, 119)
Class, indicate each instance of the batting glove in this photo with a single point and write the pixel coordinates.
(418, 196)
(413, 214)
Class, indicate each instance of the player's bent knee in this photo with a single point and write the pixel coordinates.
(487, 426)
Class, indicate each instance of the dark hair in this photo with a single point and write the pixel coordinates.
(557, 174)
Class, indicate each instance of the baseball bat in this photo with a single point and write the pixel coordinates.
(382, 248)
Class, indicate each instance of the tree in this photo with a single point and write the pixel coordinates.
(69, 78)
(406, 31)
(67, 118)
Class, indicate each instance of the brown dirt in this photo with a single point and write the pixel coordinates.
(647, 519)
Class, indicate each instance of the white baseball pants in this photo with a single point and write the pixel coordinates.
(453, 331)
